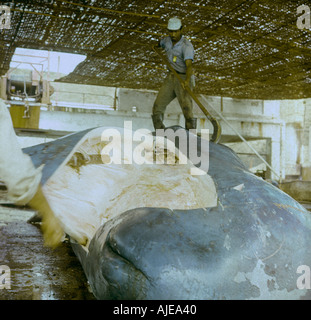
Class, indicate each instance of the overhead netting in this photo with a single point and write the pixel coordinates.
(243, 49)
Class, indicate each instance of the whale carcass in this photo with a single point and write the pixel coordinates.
(155, 231)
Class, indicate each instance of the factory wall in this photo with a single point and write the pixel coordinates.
(283, 124)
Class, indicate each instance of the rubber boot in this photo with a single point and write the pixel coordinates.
(191, 123)
(157, 120)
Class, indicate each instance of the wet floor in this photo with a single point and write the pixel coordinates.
(36, 272)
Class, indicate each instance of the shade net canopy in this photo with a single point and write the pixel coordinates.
(243, 49)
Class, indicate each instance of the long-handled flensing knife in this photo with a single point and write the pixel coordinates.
(217, 128)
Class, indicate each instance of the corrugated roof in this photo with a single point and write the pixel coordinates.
(243, 49)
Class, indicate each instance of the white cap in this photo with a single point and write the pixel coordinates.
(174, 24)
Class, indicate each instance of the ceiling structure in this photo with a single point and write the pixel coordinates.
(243, 48)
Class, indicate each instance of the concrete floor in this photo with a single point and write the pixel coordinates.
(37, 272)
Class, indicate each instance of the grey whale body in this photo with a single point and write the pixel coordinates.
(247, 247)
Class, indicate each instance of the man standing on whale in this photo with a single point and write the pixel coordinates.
(180, 54)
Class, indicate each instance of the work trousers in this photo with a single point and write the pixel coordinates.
(170, 89)
(17, 171)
